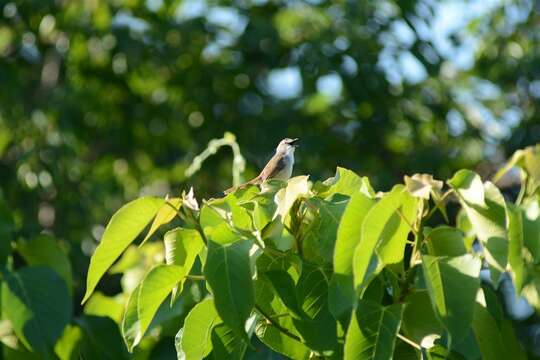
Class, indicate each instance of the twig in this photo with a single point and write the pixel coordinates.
(409, 341)
(276, 325)
(196, 277)
(415, 232)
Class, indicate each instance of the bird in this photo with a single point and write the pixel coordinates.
(278, 167)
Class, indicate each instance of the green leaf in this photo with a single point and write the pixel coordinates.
(281, 343)
(68, 346)
(489, 224)
(45, 250)
(320, 233)
(215, 226)
(37, 303)
(372, 332)
(131, 331)
(194, 339)
(422, 185)
(6, 231)
(391, 247)
(452, 283)
(469, 187)
(488, 336)
(165, 215)
(419, 318)
(516, 247)
(445, 241)
(181, 249)
(155, 288)
(345, 182)
(226, 345)
(341, 292)
(102, 305)
(268, 302)
(318, 328)
(125, 225)
(349, 232)
(101, 339)
(284, 287)
(373, 225)
(297, 187)
(228, 274)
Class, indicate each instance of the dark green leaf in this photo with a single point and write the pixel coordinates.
(37, 302)
(228, 274)
(372, 332)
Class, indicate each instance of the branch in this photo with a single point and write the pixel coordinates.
(276, 325)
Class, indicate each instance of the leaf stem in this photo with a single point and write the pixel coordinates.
(409, 341)
(196, 277)
(276, 324)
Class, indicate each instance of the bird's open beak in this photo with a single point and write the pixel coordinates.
(294, 142)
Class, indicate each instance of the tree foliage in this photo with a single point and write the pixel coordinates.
(329, 268)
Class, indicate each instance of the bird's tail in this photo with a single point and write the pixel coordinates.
(254, 181)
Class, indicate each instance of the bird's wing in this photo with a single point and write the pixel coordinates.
(274, 167)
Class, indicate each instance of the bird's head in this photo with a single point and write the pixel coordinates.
(287, 145)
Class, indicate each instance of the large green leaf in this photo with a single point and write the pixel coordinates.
(373, 225)
(318, 328)
(194, 339)
(284, 287)
(488, 336)
(445, 241)
(297, 187)
(102, 305)
(37, 303)
(516, 247)
(155, 288)
(280, 342)
(125, 225)
(165, 215)
(226, 344)
(228, 274)
(45, 250)
(181, 249)
(349, 232)
(453, 283)
(344, 182)
(391, 247)
(288, 344)
(488, 220)
(320, 233)
(341, 292)
(131, 330)
(469, 186)
(101, 339)
(419, 319)
(372, 332)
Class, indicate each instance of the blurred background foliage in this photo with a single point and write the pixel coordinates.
(103, 101)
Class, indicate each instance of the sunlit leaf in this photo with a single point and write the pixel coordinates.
(194, 341)
(155, 288)
(453, 283)
(166, 213)
(125, 225)
(365, 260)
(181, 249)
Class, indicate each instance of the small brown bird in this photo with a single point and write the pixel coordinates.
(279, 167)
